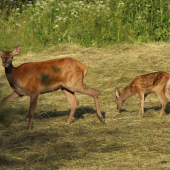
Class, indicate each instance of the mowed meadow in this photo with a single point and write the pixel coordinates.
(125, 141)
(117, 40)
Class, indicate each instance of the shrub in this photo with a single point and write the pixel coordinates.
(37, 24)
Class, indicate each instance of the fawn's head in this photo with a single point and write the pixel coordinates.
(118, 101)
(7, 56)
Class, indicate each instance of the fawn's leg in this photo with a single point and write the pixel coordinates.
(167, 94)
(164, 100)
(141, 103)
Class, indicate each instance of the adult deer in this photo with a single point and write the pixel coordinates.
(33, 79)
(143, 85)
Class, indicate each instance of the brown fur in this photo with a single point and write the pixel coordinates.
(143, 85)
(33, 79)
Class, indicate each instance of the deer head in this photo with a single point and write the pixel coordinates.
(118, 100)
(7, 57)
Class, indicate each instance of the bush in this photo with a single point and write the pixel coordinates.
(38, 24)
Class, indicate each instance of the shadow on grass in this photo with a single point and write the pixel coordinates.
(156, 108)
(67, 150)
(93, 145)
(112, 147)
(78, 114)
(122, 110)
(6, 160)
(9, 115)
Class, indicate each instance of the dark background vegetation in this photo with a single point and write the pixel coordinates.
(88, 23)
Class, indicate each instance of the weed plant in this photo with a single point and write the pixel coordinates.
(41, 23)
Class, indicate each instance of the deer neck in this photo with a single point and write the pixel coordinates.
(8, 70)
(125, 94)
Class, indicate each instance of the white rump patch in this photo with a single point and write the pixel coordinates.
(85, 72)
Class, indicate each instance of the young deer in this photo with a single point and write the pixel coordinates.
(33, 79)
(143, 85)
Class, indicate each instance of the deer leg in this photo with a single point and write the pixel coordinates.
(167, 94)
(141, 103)
(33, 102)
(145, 96)
(11, 97)
(73, 102)
(91, 92)
(164, 100)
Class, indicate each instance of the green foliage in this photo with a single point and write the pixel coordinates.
(37, 24)
(7, 5)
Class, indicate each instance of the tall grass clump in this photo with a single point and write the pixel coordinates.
(41, 23)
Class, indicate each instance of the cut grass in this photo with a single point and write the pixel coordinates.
(126, 141)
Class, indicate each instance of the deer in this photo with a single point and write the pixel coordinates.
(142, 85)
(35, 78)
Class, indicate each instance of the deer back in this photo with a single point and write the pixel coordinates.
(45, 76)
(149, 82)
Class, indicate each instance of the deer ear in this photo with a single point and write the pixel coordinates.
(117, 92)
(17, 50)
(1, 52)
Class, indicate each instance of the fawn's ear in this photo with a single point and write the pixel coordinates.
(17, 50)
(117, 92)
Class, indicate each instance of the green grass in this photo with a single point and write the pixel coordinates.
(126, 141)
(42, 24)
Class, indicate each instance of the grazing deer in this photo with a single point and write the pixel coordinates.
(143, 85)
(33, 79)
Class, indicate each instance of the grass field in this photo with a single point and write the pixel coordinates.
(126, 141)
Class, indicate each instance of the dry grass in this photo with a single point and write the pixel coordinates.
(126, 141)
